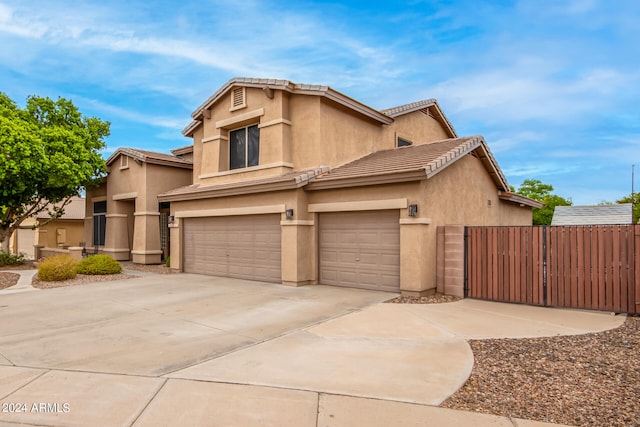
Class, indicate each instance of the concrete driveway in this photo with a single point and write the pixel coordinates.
(197, 350)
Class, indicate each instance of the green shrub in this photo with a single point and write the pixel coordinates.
(57, 268)
(7, 258)
(99, 264)
(167, 262)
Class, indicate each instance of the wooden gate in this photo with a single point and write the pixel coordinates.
(588, 267)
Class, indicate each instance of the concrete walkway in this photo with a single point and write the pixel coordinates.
(24, 282)
(197, 350)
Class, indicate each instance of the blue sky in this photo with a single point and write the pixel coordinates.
(552, 85)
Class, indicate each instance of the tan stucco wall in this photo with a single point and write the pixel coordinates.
(297, 132)
(416, 127)
(72, 230)
(460, 194)
(133, 227)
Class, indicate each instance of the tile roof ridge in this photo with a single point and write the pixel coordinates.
(407, 107)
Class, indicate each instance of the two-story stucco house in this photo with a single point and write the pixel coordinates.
(300, 184)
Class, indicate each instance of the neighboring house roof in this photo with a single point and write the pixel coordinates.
(151, 157)
(593, 215)
(384, 117)
(261, 185)
(74, 210)
(182, 150)
(427, 106)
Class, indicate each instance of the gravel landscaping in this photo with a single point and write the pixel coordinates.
(80, 279)
(581, 380)
(8, 279)
(430, 299)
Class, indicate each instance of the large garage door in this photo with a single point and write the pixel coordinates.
(360, 250)
(245, 247)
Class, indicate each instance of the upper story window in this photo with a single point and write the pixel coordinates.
(404, 142)
(244, 147)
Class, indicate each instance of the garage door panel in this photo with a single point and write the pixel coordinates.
(246, 247)
(360, 249)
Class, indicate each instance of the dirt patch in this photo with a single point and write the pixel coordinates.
(8, 279)
(585, 380)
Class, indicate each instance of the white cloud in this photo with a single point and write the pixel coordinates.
(133, 116)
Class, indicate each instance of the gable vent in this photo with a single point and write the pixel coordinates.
(428, 112)
(238, 98)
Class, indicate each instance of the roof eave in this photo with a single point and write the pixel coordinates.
(509, 196)
(367, 180)
(174, 164)
(230, 191)
(191, 128)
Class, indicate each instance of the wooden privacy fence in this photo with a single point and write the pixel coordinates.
(588, 267)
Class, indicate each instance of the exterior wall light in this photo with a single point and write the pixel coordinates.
(171, 219)
(413, 210)
(289, 213)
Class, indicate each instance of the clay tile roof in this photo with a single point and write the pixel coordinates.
(150, 157)
(275, 183)
(182, 150)
(427, 106)
(407, 108)
(593, 215)
(407, 163)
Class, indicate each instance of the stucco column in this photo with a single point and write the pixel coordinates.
(146, 238)
(417, 257)
(174, 241)
(116, 242)
(297, 252)
(453, 268)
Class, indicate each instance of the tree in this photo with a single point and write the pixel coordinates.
(633, 198)
(49, 152)
(537, 190)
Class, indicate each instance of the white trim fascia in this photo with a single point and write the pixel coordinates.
(365, 205)
(247, 210)
(147, 252)
(146, 213)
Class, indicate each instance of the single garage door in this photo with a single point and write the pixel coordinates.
(244, 247)
(360, 250)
